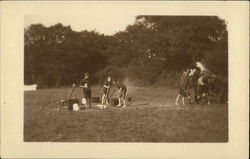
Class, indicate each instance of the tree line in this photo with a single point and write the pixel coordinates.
(151, 52)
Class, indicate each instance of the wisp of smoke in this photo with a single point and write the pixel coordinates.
(201, 66)
(129, 84)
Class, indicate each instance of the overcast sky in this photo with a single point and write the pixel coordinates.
(112, 16)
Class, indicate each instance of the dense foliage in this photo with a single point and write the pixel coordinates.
(152, 51)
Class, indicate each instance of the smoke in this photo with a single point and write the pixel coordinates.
(204, 70)
(129, 82)
(201, 66)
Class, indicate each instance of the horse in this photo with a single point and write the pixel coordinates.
(214, 88)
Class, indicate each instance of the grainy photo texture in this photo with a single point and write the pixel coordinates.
(154, 78)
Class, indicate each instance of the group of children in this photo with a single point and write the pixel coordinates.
(200, 85)
(122, 91)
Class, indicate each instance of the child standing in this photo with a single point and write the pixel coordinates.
(106, 87)
(85, 84)
(122, 92)
(183, 90)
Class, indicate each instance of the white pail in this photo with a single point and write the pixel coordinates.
(76, 107)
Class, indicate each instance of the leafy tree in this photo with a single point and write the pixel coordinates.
(35, 42)
(148, 52)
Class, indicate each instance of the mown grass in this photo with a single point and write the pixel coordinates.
(150, 117)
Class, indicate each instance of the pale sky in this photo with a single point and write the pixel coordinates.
(107, 25)
(112, 16)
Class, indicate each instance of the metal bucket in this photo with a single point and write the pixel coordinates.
(113, 101)
(71, 102)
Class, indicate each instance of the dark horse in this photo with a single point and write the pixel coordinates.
(216, 88)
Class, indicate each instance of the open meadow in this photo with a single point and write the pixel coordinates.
(151, 116)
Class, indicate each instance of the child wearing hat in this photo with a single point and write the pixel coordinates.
(106, 86)
(86, 85)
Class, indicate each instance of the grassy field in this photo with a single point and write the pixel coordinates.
(150, 117)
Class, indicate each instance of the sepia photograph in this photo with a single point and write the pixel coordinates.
(130, 79)
(157, 79)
